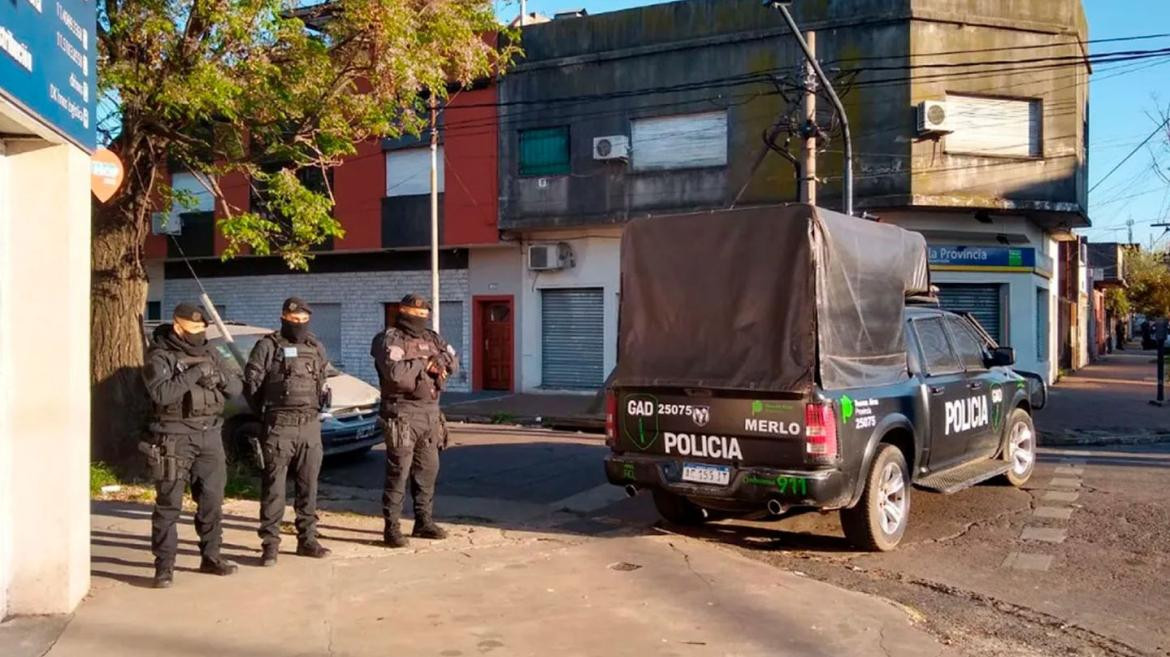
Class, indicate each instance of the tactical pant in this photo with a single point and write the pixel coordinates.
(292, 439)
(199, 461)
(413, 442)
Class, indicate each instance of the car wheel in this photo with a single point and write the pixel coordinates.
(878, 520)
(1019, 448)
(678, 509)
(237, 445)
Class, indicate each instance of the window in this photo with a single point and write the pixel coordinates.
(153, 311)
(408, 171)
(679, 142)
(544, 152)
(1003, 127)
(326, 325)
(937, 356)
(968, 346)
(451, 329)
(1041, 324)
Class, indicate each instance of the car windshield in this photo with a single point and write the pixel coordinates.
(245, 342)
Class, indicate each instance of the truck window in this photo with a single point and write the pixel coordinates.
(937, 355)
(969, 348)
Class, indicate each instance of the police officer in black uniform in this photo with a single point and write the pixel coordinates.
(284, 382)
(188, 383)
(413, 365)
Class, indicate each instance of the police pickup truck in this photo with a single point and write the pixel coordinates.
(803, 364)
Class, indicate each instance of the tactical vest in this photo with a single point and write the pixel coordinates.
(198, 402)
(291, 380)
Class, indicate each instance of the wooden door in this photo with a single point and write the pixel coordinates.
(496, 329)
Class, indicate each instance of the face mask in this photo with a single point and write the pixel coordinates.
(413, 325)
(195, 339)
(293, 331)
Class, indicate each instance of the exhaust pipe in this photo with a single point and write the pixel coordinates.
(631, 490)
(775, 508)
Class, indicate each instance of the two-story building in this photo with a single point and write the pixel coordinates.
(969, 124)
(382, 195)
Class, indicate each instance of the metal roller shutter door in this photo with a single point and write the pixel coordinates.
(572, 342)
(982, 301)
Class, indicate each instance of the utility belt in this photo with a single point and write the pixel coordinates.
(290, 417)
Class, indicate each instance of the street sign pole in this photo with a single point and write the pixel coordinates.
(1160, 337)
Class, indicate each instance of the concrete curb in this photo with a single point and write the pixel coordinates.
(1100, 438)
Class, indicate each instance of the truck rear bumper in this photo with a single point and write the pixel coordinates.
(748, 486)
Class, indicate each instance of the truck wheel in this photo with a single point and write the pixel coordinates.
(878, 520)
(1019, 448)
(677, 509)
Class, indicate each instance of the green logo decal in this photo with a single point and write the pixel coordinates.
(847, 408)
(628, 471)
(640, 420)
(996, 406)
(757, 407)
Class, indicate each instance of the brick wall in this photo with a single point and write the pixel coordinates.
(256, 300)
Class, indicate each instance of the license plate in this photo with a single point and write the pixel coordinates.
(706, 474)
(367, 432)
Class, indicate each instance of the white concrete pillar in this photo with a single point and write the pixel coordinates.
(44, 377)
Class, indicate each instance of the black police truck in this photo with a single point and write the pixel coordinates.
(793, 357)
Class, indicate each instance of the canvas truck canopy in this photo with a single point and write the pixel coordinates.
(747, 299)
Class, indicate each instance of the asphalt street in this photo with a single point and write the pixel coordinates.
(1074, 564)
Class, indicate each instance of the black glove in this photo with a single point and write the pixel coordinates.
(210, 377)
(326, 400)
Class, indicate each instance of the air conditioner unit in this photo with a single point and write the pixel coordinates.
(612, 147)
(162, 224)
(549, 257)
(934, 118)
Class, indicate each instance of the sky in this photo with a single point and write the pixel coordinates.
(1122, 98)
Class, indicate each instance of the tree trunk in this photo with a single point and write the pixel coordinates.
(118, 416)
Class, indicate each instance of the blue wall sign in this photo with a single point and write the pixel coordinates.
(983, 257)
(48, 63)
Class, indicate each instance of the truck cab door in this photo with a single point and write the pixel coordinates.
(986, 389)
(946, 387)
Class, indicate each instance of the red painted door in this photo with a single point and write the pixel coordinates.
(497, 345)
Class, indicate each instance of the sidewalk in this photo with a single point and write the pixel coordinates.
(581, 411)
(1106, 403)
(486, 590)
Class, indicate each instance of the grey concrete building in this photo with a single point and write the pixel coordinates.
(969, 121)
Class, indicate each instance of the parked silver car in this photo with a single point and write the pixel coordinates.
(348, 427)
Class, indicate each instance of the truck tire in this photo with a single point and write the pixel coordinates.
(1019, 448)
(677, 509)
(878, 520)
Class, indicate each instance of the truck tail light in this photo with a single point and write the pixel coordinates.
(820, 433)
(610, 418)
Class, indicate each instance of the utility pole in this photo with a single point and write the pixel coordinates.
(782, 6)
(1129, 223)
(434, 213)
(808, 185)
(523, 12)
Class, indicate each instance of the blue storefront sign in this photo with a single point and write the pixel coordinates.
(48, 63)
(993, 258)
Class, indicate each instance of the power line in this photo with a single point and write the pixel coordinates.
(1131, 154)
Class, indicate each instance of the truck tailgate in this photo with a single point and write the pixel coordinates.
(744, 431)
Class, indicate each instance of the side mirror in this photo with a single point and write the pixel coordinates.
(1002, 357)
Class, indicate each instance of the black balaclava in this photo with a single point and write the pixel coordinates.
(294, 332)
(195, 339)
(415, 326)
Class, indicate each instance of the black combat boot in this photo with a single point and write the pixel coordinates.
(164, 577)
(392, 537)
(269, 556)
(426, 528)
(312, 549)
(221, 567)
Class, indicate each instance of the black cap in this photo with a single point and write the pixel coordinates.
(415, 301)
(295, 305)
(190, 312)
